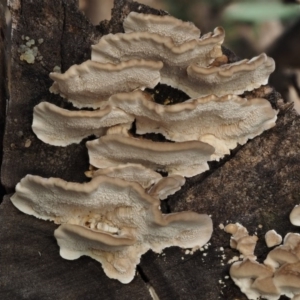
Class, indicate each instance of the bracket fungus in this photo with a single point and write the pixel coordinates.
(115, 218)
(272, 238)
(235, 78)
(295, 216)
(167, 186)
(278, 275)
(241, 240)
(221, 122)
(61, 127)
(167, 26)
(109, 219)
(120, 47)
(184, 158)
(89, 84)
(129, 172)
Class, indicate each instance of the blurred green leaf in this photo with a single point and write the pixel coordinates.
(257, 12)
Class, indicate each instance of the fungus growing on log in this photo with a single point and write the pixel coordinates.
(168, 26)
(235, 78)
(221, 122)
(185, 158)
(89, 84)
(129, 172)
(241, 240)
(278, 275)
(61, 127)
(120, 47)
(115, 218)
(272, 238)
(167, 186)
(112, 220)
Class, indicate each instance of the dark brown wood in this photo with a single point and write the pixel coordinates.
(257, 184)
(5, 26)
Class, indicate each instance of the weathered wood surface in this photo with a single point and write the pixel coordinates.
(258, 184)
(4, 51)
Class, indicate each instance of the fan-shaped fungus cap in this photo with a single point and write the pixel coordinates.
(168, 26)
(246, 273)
(289, 252)
(273, 238)
(167, 186)
(114, 48)
(185, 158)
(235, 78)
(61, 127)
(241, 240)
(145, 45)
(129, 172)
(109, 219)
(91, 83)
(295, 216)
(221, 122)
(287, 279)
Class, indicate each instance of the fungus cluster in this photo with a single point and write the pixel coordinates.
(116, 217)
(280, 272)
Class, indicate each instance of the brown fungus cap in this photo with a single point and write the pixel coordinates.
(129, 172)
(168, 26)
(295, 216)
(235, 78)
(115, 48)
(61, 127)
(184, 158)
(91, 83)
(109, 219)
(222, 122)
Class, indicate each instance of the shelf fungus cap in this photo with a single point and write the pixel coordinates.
(167, 186)
(222, 122)
(254, 279)
(287, 278)
(61, 127)
(91, 83)
(295, 216)
(168, 26)
(272, 238)
(185, 158)
(109, 219)
(234, 78)
(289, 252)
(241, 240)
(129, 172)
(115, 48)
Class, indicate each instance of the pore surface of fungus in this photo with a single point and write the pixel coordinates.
(168, 26)
(129, 172)
(109, 219)
(184, 158)
(89, 84)
(115, 48)
(235, 78)
(61, 127)
(221, 122)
